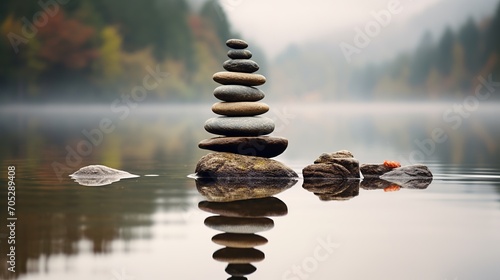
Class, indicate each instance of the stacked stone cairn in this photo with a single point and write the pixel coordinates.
(240, 126)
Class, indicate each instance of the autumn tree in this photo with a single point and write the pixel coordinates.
(65, 44)
(109, 63)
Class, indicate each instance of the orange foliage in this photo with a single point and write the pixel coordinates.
(196, 25)
(392, 164)
(66, 42)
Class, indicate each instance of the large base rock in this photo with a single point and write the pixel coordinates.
(220, 165)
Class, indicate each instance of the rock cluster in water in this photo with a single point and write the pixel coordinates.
(241, 128)
(336, 176)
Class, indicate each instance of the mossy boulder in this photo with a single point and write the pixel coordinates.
(227, 165)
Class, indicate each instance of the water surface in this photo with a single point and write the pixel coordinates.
(150, 227)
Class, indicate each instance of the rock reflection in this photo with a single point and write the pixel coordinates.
(268, 206)
(345, 189)
(242, 209)
(332, 189)
(411, 183)
(231, 189)
(73, 222)
(375, 184)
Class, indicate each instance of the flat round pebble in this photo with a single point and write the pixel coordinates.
(239, 54)
(237, 78)
(240, 108)
(257, 146)
(240, 65)
(240, 126)
(236, 44)
(232, 93)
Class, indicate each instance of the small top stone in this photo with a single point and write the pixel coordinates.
(236, 44)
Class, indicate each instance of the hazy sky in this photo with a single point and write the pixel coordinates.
(273, 24)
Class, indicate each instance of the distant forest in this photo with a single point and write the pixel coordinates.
(100, 50)
(439, 68)
(451, 64)
(97, 50)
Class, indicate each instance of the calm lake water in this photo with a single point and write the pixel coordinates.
(152, 227)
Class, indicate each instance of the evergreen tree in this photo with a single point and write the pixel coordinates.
(493, 38)
(444, 53)
(422, 60)
(469, 38)
(213, 13)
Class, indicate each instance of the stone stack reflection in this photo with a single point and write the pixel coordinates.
(241, 219)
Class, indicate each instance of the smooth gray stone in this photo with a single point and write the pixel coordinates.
(240, 65)
(239, 54)
(412, 176)
(240, 126)
(239, 78)
(410, 171)
(259, 146)
(240, 109)
(236, 44)
(236, 93)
